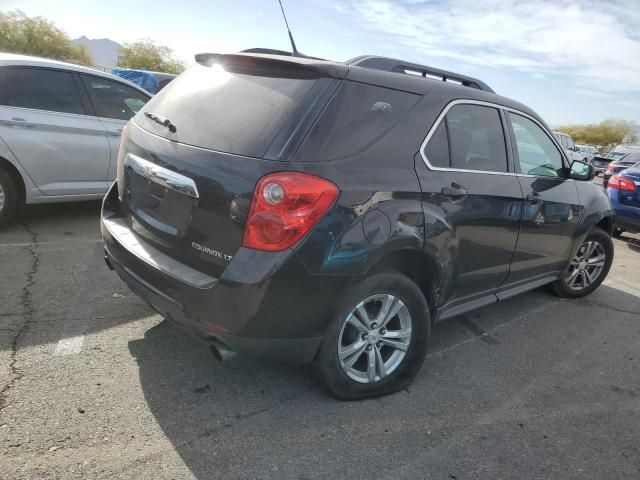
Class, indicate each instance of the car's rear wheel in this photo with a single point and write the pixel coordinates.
(378, 339)
(617, 232)
(588, 268)
(8, 198)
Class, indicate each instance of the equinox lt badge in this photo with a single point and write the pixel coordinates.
(211, 251)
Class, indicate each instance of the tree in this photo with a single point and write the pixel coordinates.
(146, 55)
(39, 37)
(607, 132)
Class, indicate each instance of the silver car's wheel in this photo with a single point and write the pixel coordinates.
(587, 266)
(374, 338)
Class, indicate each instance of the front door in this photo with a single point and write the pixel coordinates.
(551, 208)
(45, 124)
(472, 203)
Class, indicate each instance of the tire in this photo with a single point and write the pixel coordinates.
(580, 284)
(617, 232)
(347, 331)
(9, 202)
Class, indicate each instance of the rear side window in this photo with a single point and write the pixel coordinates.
(113, 99)
(40, 89)
(356, 118)
(238, 113)
(475, 140)
(537, 154)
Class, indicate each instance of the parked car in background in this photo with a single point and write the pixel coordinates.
(601, 164)
(152, 82)
(588, 152)
(624, 193)
(617, 166)
(620, 150)
(569, 146)
(275, 205)
(60, 127)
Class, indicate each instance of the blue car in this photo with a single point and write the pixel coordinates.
(624, 192)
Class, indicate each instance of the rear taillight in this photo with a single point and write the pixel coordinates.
(284, 208)
(619, 183)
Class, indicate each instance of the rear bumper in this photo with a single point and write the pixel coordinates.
(627, 217)
(266, 305)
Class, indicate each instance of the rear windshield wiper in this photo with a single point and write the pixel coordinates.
(165, 122)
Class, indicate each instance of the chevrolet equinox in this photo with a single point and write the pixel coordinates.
(305, 210)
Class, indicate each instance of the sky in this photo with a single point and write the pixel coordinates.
(571, 61)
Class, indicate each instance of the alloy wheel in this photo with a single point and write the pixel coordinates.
(374, 338)
(587, 266)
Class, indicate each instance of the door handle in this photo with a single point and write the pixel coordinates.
(20, 122)
(534, 198)
(454, 190)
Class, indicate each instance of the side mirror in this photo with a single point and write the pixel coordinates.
(581, 171)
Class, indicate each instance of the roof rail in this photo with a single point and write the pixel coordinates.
(408, 68)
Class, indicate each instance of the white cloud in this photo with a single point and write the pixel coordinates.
(595, 41)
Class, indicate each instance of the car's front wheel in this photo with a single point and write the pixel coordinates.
(8, 198)
(378, 339)
(588, 268)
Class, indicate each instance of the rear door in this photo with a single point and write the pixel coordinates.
(115, 103)
(468, 183)
(52, 132)
(551, 209)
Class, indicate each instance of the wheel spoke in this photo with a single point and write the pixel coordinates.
(585, 279)
(597, 261)
(371, 365)
(380, 361)
(591, 246)
(397, 334)
(364, 316)
(394, 343)
(390, 309)
(350, 355)
(571, 279)
(358, 324)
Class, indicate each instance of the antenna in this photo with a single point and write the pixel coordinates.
(295, 52)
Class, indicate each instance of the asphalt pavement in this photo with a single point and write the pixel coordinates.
(94, 385)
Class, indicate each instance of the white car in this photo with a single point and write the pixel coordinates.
(569, 146)
(588, 152)
(60, 128)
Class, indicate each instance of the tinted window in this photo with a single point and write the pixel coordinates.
(476, 138)
(113, 99)
(537, 154)
(437, 150)
(39, 88)
(222, 110)
(357, 117)
(570, 143)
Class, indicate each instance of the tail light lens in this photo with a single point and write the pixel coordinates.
(620, 183)
(284, 208)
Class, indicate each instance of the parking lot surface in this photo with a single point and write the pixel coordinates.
(93, 384)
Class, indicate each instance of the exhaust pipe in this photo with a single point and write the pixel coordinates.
(222, 352)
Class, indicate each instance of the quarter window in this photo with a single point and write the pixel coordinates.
(537, 154)
(474, 140)
(40, 89)
(113, 99)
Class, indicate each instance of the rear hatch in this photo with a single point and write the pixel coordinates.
(189, 161)
(601, 162)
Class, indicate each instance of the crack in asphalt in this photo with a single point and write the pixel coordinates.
(27, 313)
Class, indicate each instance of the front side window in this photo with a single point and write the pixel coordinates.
(537, 154)
(475, 140)
(40, 89)
(113, 99)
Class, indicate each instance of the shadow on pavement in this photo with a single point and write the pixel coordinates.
(529, 403)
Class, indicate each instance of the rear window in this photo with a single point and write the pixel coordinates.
(229, 112)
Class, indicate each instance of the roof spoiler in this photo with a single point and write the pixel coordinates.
(408, 68)
(274, 64)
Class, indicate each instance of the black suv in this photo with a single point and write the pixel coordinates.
(307, 210)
